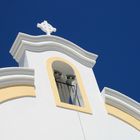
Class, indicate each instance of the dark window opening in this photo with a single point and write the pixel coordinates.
(67, 85)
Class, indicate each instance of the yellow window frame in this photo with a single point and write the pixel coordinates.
(86, 108)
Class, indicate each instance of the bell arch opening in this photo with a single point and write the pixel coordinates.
(67, 85)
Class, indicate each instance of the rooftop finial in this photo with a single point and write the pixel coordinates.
(46, 27)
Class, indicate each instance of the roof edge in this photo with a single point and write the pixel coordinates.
(16, 76)
(122, 102)
(69, 46)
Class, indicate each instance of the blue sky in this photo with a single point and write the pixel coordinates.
(109, 28)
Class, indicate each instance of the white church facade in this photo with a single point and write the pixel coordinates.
(54, 95)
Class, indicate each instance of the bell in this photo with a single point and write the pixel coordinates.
(70, 79)
(57, 74)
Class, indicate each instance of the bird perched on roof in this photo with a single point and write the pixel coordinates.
(46, 27)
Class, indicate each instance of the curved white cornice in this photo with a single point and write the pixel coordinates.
(51, 43)
(16, 76)
(122, 102)
(16, 71)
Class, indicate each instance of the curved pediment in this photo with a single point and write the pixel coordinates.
(51, 43)
(122, 107)
(16, 83)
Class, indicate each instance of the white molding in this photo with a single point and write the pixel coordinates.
(51, 43)
(122, 102)
(16, 76)
(16, 71)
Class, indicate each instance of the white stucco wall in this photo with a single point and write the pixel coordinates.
(38, 118)
(87, 122)
(99, 124)
(118, 129)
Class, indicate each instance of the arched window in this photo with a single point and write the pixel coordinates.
(67, 85)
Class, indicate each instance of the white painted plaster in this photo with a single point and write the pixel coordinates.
(39, 119)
